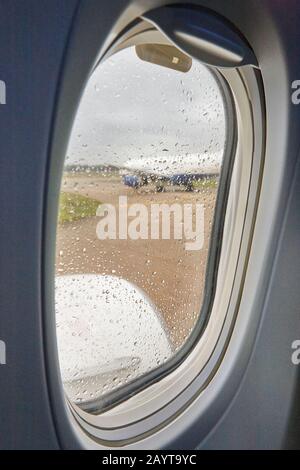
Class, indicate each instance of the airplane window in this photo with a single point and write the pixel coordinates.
(136, 209)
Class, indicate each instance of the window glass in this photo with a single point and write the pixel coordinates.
(135, 217)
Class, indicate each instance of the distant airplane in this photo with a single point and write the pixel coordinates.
(174, 170)
(171, 170)
(181, 179)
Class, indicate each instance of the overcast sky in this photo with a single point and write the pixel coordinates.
(138, 114)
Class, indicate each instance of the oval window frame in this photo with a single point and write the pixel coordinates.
(106, 435)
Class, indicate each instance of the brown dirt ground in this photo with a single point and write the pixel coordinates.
(172, 277)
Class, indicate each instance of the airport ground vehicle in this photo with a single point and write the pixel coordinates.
(245, 394)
